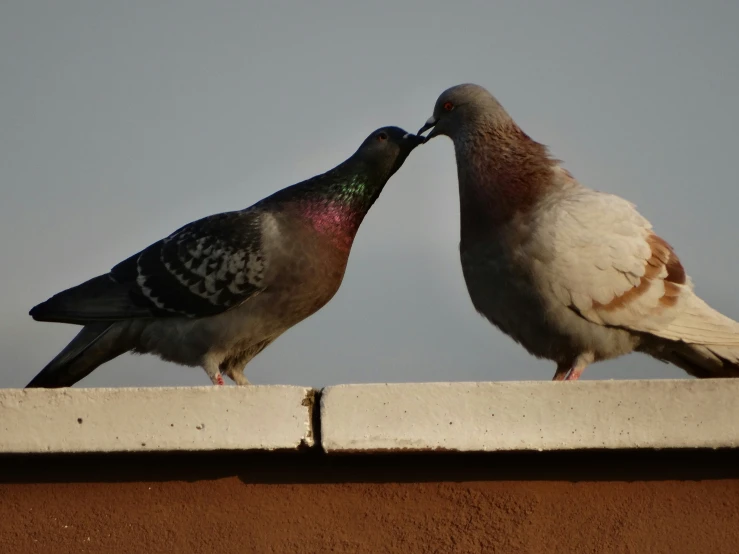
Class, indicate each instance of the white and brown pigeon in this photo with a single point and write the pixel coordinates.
(217, 291)
(574, 275)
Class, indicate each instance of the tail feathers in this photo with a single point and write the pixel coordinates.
(699, 323)
(700, 340)
(99, 299)
(94, 345)
(703, 361)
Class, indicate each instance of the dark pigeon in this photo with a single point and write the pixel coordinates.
(217, 291)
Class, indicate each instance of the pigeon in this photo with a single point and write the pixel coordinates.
(573, 275)
(219, 290)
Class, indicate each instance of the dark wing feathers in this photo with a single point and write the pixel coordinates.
(202, 269)
(98, 299)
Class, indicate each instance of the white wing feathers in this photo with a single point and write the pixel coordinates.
(597, 255)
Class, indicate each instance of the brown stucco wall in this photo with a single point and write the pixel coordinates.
(660, 502)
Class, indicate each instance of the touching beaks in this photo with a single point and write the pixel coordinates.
(430, 122)
(414, 140)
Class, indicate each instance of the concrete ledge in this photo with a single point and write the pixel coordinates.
(460, 417)
(155, 419)
(541, 415)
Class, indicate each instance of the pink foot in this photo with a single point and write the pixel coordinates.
(574, 375)
(572, 372)
(219, 378)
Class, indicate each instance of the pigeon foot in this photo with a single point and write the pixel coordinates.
(572, 372)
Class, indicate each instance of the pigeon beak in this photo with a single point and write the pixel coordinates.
(430, 123)
(414, 140)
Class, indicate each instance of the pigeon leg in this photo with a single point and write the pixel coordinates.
(238, 377)
(562, 371)
(572, 372)
(574, 375)
(211, 367)
(235, 365)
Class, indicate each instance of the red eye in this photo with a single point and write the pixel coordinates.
(448, 106)
(382, 136)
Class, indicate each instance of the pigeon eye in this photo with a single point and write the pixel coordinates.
(448, 106)
(381, 136)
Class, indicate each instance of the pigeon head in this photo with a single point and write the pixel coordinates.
(337, 201)
(386, 148)
(463, 106)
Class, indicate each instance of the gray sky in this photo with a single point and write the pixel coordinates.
(121, 121)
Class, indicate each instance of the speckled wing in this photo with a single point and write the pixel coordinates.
(202, 269)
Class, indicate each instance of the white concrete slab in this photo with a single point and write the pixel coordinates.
(155, 419)
(540, 415)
